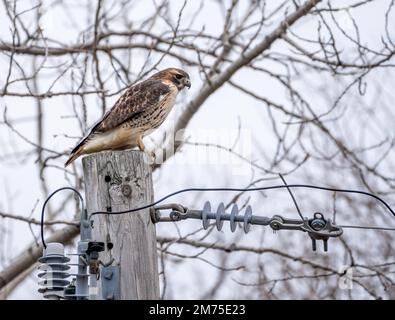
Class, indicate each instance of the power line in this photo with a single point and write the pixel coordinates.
(367, 227)
(247, 190)
(46, 202)
(275, 187)
(292, 196)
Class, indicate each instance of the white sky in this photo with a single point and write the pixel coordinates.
(222, 112)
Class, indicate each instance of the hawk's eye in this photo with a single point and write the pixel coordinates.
(179, 76)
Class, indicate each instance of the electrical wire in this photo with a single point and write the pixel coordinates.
(367, 227)
(46, 202)
(288, 186)
(247, 190)
(292, 196)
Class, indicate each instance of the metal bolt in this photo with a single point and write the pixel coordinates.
(126, 190)
(325, 245)
(275, 226)
(86, 223)
(314, 244)
(108, 274)
(174, 216)
(318, 224)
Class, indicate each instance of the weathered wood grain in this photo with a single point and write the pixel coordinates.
(116, 181)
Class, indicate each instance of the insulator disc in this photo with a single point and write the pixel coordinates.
(220, 211)
(52, 282)
(233, 214)
(56, 258)
(54, 274)
(54, 267)
(247, 218)
(206, 210)
(55, 289)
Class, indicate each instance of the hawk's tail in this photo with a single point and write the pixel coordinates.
(77, 151)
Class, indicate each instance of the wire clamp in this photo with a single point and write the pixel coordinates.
(177, 213)
(318, 228)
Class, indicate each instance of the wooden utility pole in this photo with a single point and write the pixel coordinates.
(117, 181)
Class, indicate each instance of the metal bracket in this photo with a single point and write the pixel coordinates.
(318, 228)
(92, 255)
(110, 283)
(175, 207)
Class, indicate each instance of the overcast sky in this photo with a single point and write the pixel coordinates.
(216, 122)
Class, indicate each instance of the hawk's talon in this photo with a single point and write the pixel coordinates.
(152, 157)
(140, 144)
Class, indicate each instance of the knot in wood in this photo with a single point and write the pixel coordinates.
(126, 190)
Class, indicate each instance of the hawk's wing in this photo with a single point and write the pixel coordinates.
(131, 103)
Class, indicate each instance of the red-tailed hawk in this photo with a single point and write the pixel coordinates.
(141, 109)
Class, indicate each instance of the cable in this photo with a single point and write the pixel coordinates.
(288, 186)
(292, 196)
(45, 204)
(246, 190)
(367, 227)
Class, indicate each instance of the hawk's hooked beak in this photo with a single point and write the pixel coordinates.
(188, 83)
